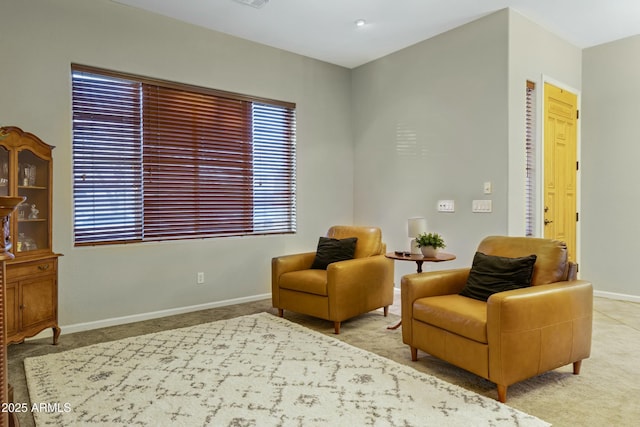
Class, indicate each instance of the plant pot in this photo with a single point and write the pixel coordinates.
(429, 251)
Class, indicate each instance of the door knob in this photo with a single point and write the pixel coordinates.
(547, 221)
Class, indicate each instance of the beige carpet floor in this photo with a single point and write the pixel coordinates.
(604, 394)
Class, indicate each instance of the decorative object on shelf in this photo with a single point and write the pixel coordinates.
(34, 212)
(28, 173)
(4, 174)
(429, 243)
(21, 211)
(415, 227)
(7, 206)
(25, 243)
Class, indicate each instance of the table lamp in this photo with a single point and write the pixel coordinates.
(415, 227)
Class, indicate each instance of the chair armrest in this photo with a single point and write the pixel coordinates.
(356, 284)
(539, 306)
(294, 262)
(433, 283)
(420, 285)
(287, 263)
(542, 327)
(359, 272)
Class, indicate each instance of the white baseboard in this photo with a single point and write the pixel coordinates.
(80, 327)
(613, 295)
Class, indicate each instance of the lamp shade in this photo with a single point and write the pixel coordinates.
(416, 226)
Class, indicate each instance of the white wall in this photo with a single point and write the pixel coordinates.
(430, 123)
(39, 39)
(610, 153)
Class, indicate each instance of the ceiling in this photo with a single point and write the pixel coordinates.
(326, 30)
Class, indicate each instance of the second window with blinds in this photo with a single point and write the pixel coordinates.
(156, 160)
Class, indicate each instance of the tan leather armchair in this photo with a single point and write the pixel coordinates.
(514, 335)
(345, 289)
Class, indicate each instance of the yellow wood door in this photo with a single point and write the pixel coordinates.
(560, 166)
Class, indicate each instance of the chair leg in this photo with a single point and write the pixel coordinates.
(386, 310)
(280, 312)
(336, 327)
(576, 367)
(414, 354)
(502, 393)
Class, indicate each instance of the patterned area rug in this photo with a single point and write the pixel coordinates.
(256, 370)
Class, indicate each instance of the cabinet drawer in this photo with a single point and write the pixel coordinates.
(30, 269)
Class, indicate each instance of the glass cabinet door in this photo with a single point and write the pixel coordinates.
(32, 214)
(4, 172)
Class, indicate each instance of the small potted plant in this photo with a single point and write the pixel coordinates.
(429, 243)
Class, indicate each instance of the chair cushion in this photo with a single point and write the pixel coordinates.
(309, 281)
(333, 250)
(552, 264)
(454, 313)
(490, 274)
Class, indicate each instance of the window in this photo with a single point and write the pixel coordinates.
(530, 148)
(155, 160)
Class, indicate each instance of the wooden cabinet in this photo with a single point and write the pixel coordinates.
(32, 276)
(32, 298)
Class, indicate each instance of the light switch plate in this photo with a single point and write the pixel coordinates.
(487, 187)
(481, 206)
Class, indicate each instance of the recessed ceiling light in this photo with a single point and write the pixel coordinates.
(360, 23)
(253, 3)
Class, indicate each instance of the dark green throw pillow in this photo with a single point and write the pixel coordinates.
(490, 274)
(333, 250)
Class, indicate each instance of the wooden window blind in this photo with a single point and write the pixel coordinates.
(530, 150)
(107, 153)
(157, 160)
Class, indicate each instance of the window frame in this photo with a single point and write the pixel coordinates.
(280, 141)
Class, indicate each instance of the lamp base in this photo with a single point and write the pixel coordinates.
(415, 250)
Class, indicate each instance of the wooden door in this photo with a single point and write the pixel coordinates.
(38, 301)
(560, 166)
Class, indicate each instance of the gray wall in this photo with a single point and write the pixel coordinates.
(438, 119)
(539, 56)
(430, 123)
(610, 153)
(376, 145)
(38, 41)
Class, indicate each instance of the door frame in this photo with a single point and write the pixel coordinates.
(540, 143)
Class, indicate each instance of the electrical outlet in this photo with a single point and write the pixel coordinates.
(200, 278)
